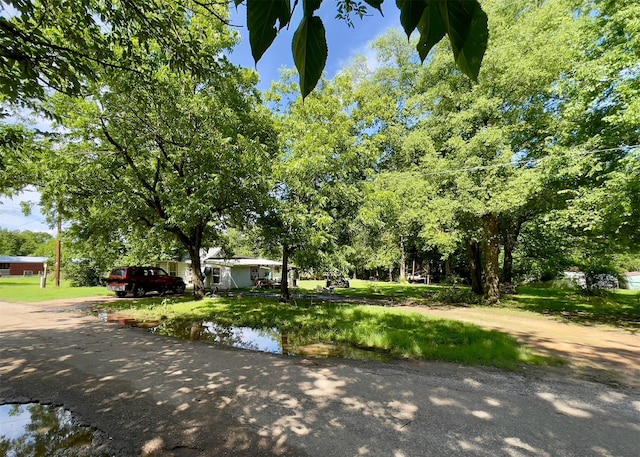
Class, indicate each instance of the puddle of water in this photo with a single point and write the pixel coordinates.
(270, 340)
(37, 430)
(123, 320)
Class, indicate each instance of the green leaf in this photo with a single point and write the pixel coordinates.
(466, 25)
(377, 4)
(431, 28)
(310, 52)
(309, 6)
(261, 22)
(410, 14)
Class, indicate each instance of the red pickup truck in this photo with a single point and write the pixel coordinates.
(140, 280)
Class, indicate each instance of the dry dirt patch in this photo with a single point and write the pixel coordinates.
(598, 353)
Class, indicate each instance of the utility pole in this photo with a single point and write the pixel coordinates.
(58, 251)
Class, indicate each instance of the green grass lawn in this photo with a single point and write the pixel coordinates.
(399, 333)
(27, 289)
(372, 289)
(619, 307)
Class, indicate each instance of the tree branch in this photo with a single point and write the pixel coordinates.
(127, 157)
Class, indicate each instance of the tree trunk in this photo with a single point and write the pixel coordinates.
(509, 239)
(403, 261)
(196, 272)
(474, 253)
(284, 278)
(492, 253)
(447, 268)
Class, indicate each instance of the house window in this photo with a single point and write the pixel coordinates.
(215, 275)
(5, 266)
(173, 269)
(255, 274)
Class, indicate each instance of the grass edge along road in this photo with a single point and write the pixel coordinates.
(383, 328)
(398, 333)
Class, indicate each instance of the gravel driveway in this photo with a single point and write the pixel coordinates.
(155, 396)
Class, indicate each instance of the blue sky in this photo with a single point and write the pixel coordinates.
(343, 42)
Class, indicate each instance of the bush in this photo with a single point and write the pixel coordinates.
(452, 279)
(456, 295)
(83, 273)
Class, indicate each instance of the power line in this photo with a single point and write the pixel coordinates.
(34, 221)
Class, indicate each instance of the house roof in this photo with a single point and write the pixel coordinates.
(633, 273)
(238, 261)
(22, 259)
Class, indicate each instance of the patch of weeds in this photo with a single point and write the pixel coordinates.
(455, 296)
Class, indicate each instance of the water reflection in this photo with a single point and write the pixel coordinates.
(269, 340)
(124, 320)
(34, 430)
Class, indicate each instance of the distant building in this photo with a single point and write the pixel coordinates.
(22, 266)
(633, 280)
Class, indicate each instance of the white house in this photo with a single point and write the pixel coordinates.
(238, 271)
(176, 268)
(225, 273)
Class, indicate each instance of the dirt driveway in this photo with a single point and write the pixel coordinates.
(598, 353)
(151, 396)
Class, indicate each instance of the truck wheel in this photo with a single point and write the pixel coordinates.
(138, 291)
(179, 289)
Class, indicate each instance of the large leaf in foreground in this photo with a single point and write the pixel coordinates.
(261, 22)
(310, 52)
(466, 24)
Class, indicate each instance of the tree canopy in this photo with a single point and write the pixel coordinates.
(529, 169)
(62, 45)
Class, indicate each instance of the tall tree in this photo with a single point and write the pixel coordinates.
(477, 144)
(18, 148)
(177, 157)
(317, 175)
(27, 243)
(601, 129)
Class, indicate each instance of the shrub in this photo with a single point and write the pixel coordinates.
(456, 295)
(83, 273)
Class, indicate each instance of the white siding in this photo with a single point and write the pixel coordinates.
(174, 268)
(633, 281)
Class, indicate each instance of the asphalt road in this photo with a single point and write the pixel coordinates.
(157, 396)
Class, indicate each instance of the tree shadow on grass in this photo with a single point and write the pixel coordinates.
(608, 307)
